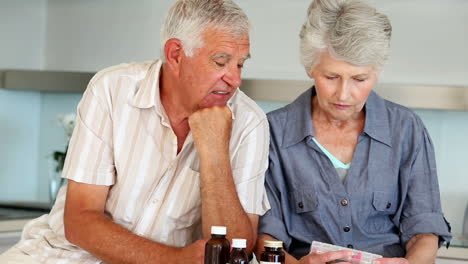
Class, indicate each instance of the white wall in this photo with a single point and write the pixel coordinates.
(428, 46)
(90, 35)
(22, 33)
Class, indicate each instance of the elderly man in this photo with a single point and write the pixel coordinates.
(162, 151)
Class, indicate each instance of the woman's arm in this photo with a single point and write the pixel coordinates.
(422, 248)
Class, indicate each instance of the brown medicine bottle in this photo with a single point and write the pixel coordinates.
(238, 253)
(273, 253)
(217, 248)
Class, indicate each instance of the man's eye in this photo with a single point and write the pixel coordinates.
(359, 80)
(220, 64)
(330, 77)
(240, 66)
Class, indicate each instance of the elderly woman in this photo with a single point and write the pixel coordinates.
(346, 166)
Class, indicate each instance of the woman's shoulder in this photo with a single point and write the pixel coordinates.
(403, 121)
(401, 114)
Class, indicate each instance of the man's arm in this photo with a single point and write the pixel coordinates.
(211, 129)
(87, 227)
(220, 202)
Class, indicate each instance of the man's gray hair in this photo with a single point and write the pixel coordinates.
(187, 20)
(350, 30)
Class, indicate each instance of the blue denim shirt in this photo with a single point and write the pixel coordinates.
(391, 192)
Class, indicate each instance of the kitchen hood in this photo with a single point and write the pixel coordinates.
(412, 96)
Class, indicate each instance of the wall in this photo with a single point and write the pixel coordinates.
(22, 33)
(22, 44)
(428, 45)
(90, 35)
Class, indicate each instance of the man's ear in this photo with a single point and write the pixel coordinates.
(173, 51)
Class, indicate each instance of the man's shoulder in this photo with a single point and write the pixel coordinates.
(134, 70)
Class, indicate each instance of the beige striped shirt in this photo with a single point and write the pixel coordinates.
(123, 139)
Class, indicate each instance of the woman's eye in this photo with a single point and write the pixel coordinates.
(220, 64)
(240, 66)
(330, 77)
(359, 80)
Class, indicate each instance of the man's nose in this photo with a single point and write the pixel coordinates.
(233, 76)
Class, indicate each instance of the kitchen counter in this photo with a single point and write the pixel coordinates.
(458, 249)
(13, 225)
(13, 216)
(457, 253)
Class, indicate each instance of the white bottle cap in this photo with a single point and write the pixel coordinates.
(273, 243)
(239, 243)
(218, 230)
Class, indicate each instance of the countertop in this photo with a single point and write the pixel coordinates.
(457, 251)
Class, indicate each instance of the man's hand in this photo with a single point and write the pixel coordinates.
(327, 257)
(193, 253)
(391, 261)
(211, 129)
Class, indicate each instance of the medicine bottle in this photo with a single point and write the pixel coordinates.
(218, 247)
(273, 253)
(238, 253)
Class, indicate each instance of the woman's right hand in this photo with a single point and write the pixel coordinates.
(323, 258)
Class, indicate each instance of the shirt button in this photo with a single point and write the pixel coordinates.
(346, 228)
(350, 246)
(301, 205)
(344, 202)
(389, 205)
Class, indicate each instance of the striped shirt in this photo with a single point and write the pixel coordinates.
(123, 139)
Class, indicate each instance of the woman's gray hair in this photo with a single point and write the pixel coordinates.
(187, 20)
(350, 30)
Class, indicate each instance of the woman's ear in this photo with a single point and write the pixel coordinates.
(310, 73)
(173, 52)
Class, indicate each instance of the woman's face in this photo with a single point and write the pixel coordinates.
(342, 88)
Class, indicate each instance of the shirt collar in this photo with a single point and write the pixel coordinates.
(377, 124)
(299, 119)
(147, 94)
(300, 126)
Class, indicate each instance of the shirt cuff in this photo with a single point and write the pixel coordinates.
(428, 223)
(270, 225)
(98, 177)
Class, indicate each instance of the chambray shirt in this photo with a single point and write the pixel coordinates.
(390, 194)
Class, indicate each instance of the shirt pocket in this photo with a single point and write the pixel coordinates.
(185, 200)
(304, 200)
(306, 218)
(384, 206)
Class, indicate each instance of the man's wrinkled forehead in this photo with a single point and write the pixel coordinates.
(228, 56)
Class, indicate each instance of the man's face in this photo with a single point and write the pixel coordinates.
(211, 76)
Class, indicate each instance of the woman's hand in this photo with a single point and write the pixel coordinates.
(323, 258)
(391, 261)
